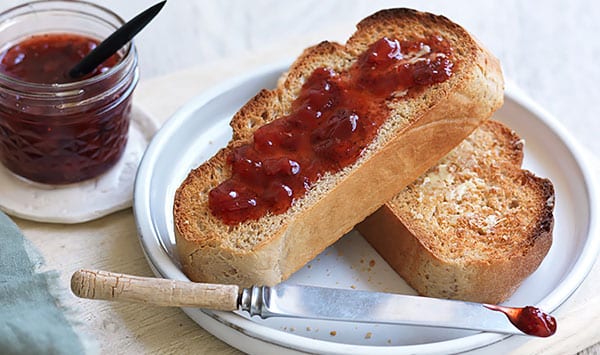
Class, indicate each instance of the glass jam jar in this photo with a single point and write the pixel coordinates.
(61, 132)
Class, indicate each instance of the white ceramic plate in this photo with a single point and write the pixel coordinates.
(201, 127)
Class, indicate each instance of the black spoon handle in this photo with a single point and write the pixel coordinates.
(115, 41)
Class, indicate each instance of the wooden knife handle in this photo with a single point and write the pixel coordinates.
(104, 285)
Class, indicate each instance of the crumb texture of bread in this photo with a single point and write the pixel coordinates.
(472, 227)
(419, 131)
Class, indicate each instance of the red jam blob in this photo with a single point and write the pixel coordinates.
(335, 117)
(57, 139)
(47, 58)
(530, 320)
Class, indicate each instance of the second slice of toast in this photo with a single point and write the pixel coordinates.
(471, 228)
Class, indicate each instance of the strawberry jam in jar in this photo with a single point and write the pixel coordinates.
(55, 129)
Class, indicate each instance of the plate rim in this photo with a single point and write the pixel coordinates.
(582, 266)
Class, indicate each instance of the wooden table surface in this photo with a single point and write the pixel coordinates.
(549, 49)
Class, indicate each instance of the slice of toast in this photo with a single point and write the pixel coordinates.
(471, 228)
(419, 130)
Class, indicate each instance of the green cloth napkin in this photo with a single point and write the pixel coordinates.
(31, 322)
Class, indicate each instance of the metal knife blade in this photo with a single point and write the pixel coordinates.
(312, 302)
(299, 301)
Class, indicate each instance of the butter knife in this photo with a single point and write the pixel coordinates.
(311, 302)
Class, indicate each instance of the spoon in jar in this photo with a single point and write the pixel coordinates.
(115, 41)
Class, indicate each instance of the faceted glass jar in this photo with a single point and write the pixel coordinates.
(64, 133)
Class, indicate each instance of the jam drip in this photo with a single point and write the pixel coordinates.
(335, 117)
(529, 320)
